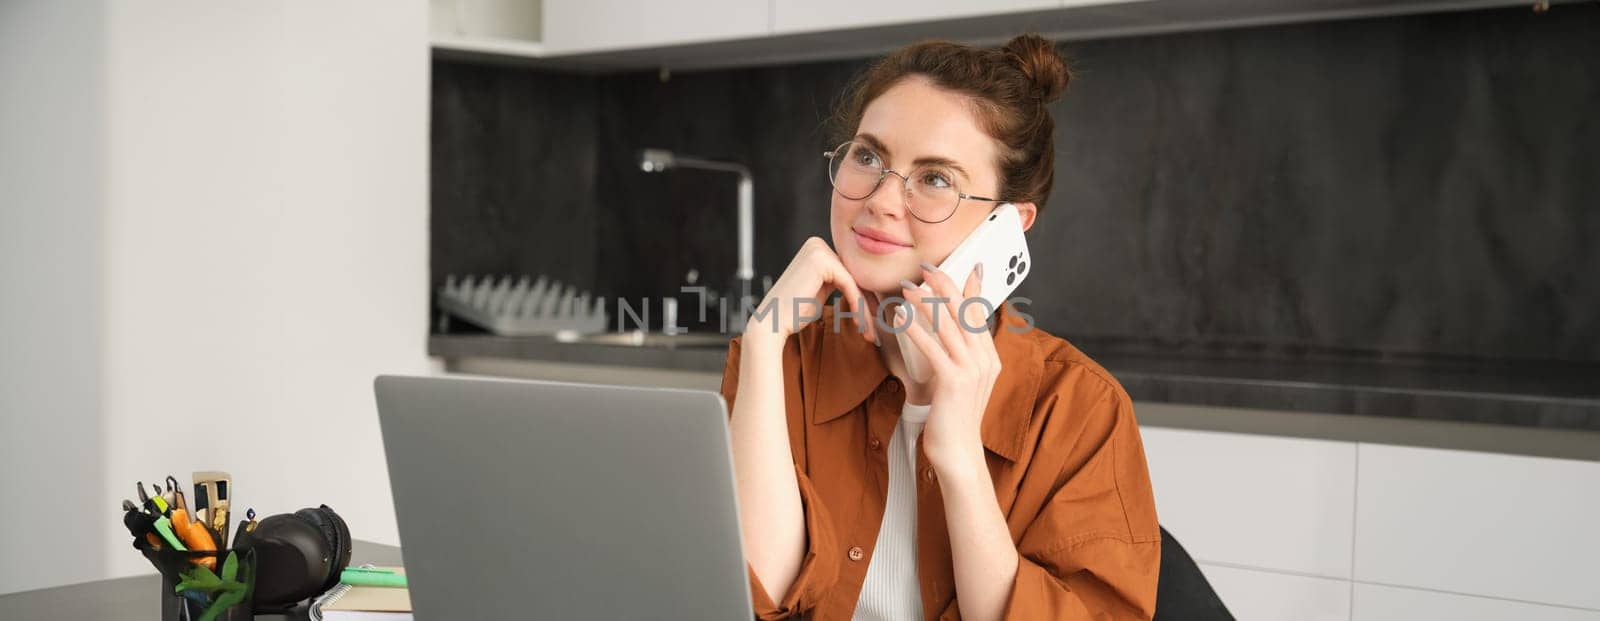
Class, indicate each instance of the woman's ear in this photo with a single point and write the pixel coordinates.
(1027, 211)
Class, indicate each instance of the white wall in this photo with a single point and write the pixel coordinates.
(52, 188)
(262, 255)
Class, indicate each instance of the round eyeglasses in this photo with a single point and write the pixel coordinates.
(931, 194)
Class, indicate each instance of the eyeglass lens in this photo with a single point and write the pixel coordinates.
(857, 170)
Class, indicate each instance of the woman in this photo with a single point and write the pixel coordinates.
(1012, 483)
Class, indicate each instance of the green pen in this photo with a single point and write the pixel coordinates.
(371, 576)
(164, 526)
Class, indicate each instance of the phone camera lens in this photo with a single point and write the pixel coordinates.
(1022, 267)
(1013, 263)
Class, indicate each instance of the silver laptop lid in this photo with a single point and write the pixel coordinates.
(546, 500)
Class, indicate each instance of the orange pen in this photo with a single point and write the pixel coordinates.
(195, 537)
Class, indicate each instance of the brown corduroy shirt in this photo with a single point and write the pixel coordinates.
(1063, 450)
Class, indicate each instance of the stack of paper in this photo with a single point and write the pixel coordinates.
(364, 603)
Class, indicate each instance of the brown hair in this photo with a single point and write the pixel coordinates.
(1009, 87)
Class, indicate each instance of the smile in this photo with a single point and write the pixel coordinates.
(877, 242)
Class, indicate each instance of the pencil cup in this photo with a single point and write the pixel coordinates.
(215, 589)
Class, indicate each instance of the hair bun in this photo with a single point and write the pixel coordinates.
(1041, 63)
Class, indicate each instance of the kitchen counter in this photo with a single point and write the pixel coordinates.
(1540, 409)
(1550, 396)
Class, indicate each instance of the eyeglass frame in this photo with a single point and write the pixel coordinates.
(905, 182)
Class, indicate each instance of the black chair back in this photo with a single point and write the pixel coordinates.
(1182, 592)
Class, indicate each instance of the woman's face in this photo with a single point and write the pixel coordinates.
(877, 238)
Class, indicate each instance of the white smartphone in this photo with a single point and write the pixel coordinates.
(999, 244)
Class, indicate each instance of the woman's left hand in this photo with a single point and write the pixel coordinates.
(964, 364)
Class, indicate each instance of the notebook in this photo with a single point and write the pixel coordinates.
(363, 603)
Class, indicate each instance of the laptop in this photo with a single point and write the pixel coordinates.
(548, 500)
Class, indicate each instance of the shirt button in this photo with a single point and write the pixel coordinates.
(892, 386)
(855, 553)
(875, 443)
(928, 474)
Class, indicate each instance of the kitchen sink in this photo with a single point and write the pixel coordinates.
(640, 338)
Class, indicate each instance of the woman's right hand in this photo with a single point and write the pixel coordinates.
(813, 274)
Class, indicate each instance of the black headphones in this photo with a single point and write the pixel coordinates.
(298, 555)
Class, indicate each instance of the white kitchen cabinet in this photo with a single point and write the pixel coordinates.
(791, 16)
(1253, 595)
(706, 34)
(1267, 502)
(1374, 602)
(580, 26)
(1512, 527)
(490, 19)
(701, 34)
(503, 27)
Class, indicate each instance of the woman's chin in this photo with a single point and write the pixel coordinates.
(878, 281)
(875, 275)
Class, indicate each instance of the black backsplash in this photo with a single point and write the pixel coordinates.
(1396, 187)
(513, 173)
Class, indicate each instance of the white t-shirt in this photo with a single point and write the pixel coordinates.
(891, 590)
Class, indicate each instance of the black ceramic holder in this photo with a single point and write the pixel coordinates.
(172, 563)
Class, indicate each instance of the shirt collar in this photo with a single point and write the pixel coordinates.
(850, 369)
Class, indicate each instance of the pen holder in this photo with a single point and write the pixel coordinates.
(224, 594)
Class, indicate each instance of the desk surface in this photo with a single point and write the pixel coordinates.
(133, 597)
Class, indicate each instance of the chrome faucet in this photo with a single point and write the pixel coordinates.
(658, 160)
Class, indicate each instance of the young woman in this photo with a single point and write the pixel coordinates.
(1009, 485)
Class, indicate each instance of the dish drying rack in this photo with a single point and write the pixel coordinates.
(522, 306)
